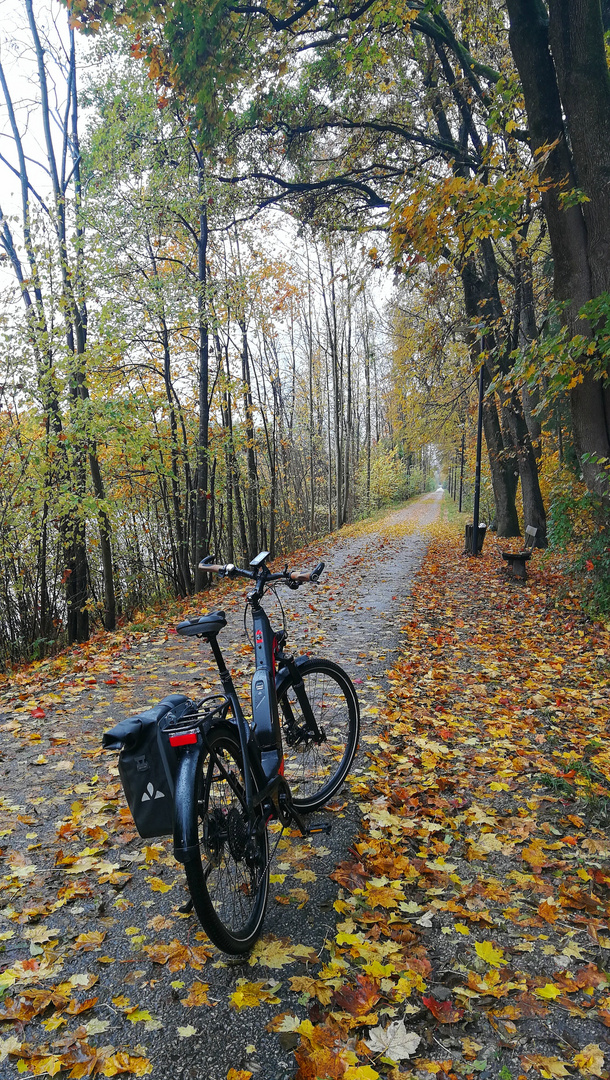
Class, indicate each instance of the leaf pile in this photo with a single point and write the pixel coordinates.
(472, 911)
(475, 902)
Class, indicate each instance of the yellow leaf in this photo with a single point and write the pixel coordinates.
(272, 953)
(549, 1067)
(461, 929)
(54, 1022)
(122, 1063)
(238, 1074)
(489, 953)
(250, 994)
(135, 1015)
(590, 1061)
(496, 786)
(91, 940)
(46, 1066)
(549, 992)
(157, 885)
(360, 1072)
(379, 971)
(350, 939)
(306, 875)
(186, 1032)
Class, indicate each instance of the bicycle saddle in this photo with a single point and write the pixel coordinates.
(203, 625)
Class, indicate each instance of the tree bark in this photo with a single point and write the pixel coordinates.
(201, 487)
(563, 70)
(503, 470)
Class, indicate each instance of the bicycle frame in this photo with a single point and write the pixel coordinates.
(260, 742)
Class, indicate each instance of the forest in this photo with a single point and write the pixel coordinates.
(256, 261)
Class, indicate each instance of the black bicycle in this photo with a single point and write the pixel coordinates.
(233, 775)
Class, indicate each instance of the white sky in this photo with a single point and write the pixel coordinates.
(17, 55)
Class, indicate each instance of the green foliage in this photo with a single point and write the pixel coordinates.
(563, 357)
(391, 480)
(579, 526)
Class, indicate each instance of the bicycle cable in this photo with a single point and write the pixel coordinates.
(273, 589)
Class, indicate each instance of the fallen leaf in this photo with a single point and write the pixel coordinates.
(394, 1041)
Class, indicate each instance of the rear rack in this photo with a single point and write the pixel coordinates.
(190, 723)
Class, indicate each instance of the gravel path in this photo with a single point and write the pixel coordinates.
(353, 617)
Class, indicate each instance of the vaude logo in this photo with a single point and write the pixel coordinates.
(150, 793)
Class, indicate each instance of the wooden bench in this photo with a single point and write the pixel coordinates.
(517, 559)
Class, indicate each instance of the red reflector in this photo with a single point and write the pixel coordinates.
(281, 768)
(183, 740)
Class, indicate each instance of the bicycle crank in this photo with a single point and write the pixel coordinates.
(288, 815)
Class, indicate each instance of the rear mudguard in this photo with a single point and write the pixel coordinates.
(186, 826)
(186, 838)
(186, 816)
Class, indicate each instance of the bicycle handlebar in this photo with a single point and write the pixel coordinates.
(291, 577)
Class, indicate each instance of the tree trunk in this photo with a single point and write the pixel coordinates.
(201, 496)
(503, 471)
(252, 489)
(563, 70)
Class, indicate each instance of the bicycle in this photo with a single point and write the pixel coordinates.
(234, 775)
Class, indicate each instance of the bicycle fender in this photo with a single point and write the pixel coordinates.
(186, 841)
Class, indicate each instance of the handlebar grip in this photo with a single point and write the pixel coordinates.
(210, 567)
(302, 576)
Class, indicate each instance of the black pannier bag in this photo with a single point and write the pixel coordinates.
(147, 763)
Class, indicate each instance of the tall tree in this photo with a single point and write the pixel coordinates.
(62, 205)
(560, 52)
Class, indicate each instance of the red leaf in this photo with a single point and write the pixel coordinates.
(357, 1000)
(38, 713)
(445, 1011)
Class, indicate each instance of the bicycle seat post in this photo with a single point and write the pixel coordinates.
(225, 675)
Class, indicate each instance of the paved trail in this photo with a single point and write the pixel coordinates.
(358, 611)
(354, 618)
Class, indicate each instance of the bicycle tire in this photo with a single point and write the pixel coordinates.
(229, 878)
(315, 770)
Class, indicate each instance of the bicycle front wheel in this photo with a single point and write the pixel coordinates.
(318, 754)
(229, 879)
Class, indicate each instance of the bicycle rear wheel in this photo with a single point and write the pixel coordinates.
(316, 762)
(229, 879)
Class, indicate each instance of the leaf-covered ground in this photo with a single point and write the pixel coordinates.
(465, 933)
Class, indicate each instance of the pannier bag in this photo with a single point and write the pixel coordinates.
(147, 763)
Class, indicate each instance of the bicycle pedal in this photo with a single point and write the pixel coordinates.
(320, 827)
